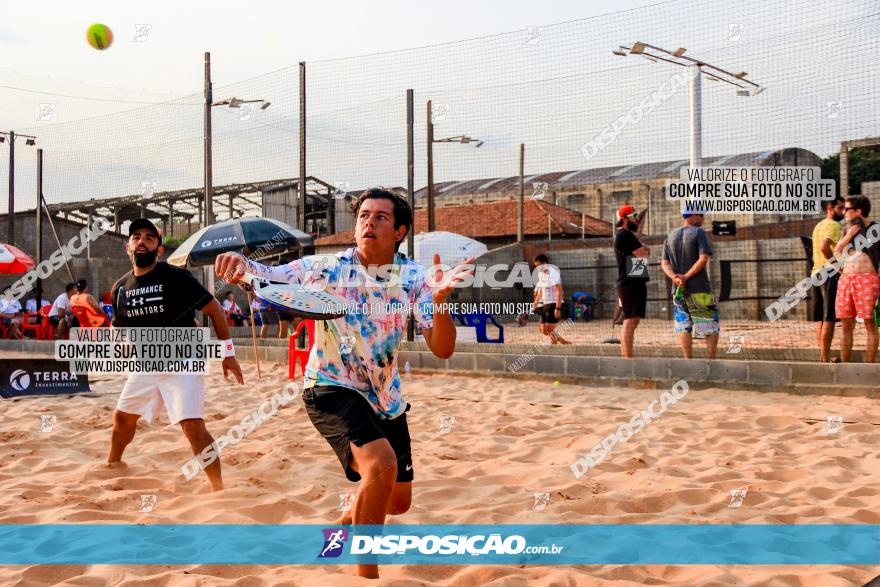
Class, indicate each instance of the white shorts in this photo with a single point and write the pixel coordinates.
(182, 393)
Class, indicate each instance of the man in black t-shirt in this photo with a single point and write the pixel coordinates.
(156, 294)
(632, 275)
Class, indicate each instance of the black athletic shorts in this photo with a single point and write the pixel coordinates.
(633, 299)
(548, 314)
(343, 416)
(824, 296)
(54, 320)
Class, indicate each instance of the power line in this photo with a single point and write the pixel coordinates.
(95, 98)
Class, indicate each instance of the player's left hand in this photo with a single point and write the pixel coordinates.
(449, 278)
(230, 365)
(557, 313)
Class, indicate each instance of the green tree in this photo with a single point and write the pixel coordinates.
(864, 165)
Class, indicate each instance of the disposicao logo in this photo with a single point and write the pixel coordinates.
(20, 380)
(334, 541)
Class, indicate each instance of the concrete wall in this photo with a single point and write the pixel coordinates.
(871, 189)
(593, 269)
(800, 378)
(107, 263)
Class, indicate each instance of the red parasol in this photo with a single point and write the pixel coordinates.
(13, 260)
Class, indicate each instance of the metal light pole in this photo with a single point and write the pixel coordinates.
(430, 170)
(302, 146)
(30, 140)
(696, 68)
(520, 215)
(208, 155)
(463, 139)
(696, 150)
(39, 227)
(11, 210)
(410, 189)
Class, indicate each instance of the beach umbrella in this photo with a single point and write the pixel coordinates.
(263, 236)
(453, 248)
(241, 235)
(13, 260)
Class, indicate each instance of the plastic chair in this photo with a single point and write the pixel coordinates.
(36, 327)
(88, 318)
(3, 333)
(480, 322)
(296, 355)
(49, 330)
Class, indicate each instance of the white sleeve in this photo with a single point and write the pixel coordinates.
(289, 273)
(553, 277)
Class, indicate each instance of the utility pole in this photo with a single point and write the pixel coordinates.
(521, 216)
(301, 209)
(430, 170)
(12, 136)
(11, 210)
(39, 227)
(410, 190)
(209, 179)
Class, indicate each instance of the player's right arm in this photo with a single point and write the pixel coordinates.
(232, 266)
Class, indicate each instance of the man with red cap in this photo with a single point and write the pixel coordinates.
(632, 275)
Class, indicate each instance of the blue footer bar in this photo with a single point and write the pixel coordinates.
(500, 544)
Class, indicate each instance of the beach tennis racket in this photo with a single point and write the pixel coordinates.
(305, 303)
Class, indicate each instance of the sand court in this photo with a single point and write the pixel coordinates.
(486, 451)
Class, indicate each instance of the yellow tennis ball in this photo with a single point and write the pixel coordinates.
(555, 384)
(99, 36)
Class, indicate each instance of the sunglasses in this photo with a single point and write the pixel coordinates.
(845, 209)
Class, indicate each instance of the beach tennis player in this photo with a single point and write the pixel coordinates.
(352, 390)
(156, 294)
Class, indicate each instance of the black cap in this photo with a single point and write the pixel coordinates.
(144, 223)
(81, 285)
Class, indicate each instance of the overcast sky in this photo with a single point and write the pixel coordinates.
(553, 93)
(43, 44)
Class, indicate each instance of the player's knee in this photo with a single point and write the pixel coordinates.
(193, 428)
(124, 421)
(380, 470)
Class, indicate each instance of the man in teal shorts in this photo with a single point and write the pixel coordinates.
(686, 253)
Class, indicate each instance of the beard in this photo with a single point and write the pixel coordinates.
(143, 260)
(838, 217)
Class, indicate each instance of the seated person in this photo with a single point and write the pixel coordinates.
(31, 305)
(60, 315)
(84, 302)
(582, 305)
(10, 315)
(233, 311)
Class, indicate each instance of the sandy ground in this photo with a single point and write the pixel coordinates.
(510, 439)
(780, 335)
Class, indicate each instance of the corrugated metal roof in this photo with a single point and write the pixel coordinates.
(579, 177)
(489, 183)
(623, 170)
